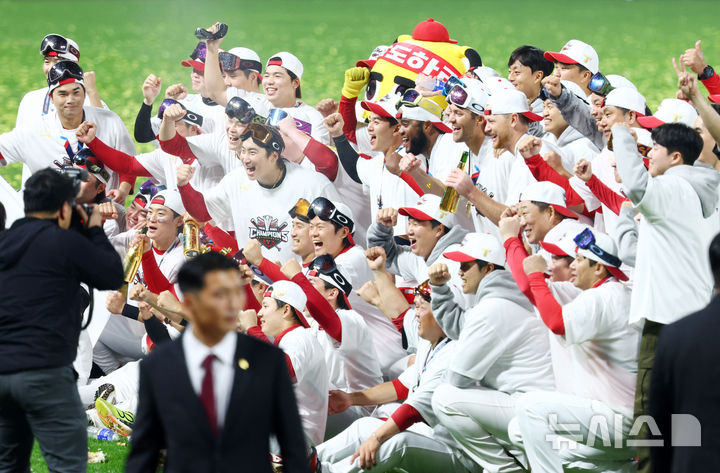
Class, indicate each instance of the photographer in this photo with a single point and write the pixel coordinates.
(41, 267)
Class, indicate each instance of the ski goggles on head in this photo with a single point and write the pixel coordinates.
(450, 83)
(58, 44)
(413, 98)
(324, 267)
(165, 104)
(86, 159)
(586, 241)
(262, 135)
(240, 109)
(460, 97)
(230, 62)
(423, 290)
(300, 209)
(326, 210)
(199, 53)
(64, 70)
(600, 84)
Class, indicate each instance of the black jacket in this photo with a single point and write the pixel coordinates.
(686, 380)
(41, 268)
(170, 415)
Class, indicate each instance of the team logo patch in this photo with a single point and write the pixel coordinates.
(268, 231)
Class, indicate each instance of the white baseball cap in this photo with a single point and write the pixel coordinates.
(385, 107)
(497, 83)
(603, 250)
(671, 111)
(477, 93)
(428, 208)
(559, 239)
(625, 97)
(576, 52)
(618, 81)
(290, 293)
(575, 89)
(482, 246)
(171, 199)
(288, 61)
(485, 73)
(506, 101)
(548, 193)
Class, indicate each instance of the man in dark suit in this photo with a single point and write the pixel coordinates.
(686, 380)
(214, 396)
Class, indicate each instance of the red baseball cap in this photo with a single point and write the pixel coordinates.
(431, 30)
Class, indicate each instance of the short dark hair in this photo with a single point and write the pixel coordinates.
(191, 277)
(341, 300)
(434, 223)
(47, 190)
(481, 264)
(715, 259)
(523, 119)
(679, 137)
(298, 94)
(281, 304)
(532, 57)
(543, 206)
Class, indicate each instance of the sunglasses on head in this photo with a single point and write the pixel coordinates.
(64, 70)
(600, 84)
(240, 109)
(586, 241)
(423, 290)
(262, 135)
(326, 210)
(58, 44)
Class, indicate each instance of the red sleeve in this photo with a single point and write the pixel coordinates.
(409, 180)
(542, 171)
(405, 416)
(399, 320)
(221, 238)
(400, 389)
(712, 84)
(178, 146)
(194, 203)
(272, 270)
(251, 301)
(347, 110)
(323, 158)
(607, 196)
(515, 253)
(154, 278)
(130, 179)
(550, 310)
(319, 308)
(117, 161)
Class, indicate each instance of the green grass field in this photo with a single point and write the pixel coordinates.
(124, 41)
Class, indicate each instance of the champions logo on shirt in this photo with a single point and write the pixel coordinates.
(267, 231)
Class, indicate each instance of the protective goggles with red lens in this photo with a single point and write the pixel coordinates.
(326, 210)
(423, 290)
(230, 62)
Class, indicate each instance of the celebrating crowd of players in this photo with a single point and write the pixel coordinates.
(495, 337)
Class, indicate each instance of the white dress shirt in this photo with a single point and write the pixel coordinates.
(223, 369)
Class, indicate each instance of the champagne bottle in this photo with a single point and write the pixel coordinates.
(191, 238)
(451, 198)
(131, 262)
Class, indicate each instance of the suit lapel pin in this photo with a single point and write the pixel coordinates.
(243, 364)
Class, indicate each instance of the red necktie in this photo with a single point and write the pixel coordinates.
(207, 393)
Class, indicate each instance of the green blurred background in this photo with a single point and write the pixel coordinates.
(124, 41)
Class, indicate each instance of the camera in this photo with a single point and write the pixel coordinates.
(78, 176)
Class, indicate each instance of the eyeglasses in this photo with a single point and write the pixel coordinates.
(586, 241)
(423, 290)
(230, 62)
(240, 109)
(262, 135)
(64, 70)
(85, 158)
(58, 44)
(300, 209)
(326, 210)
(600, 84)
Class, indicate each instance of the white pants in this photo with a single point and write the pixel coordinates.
(478, 419)
(126, 381)
(409, 450)
(559, 429)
